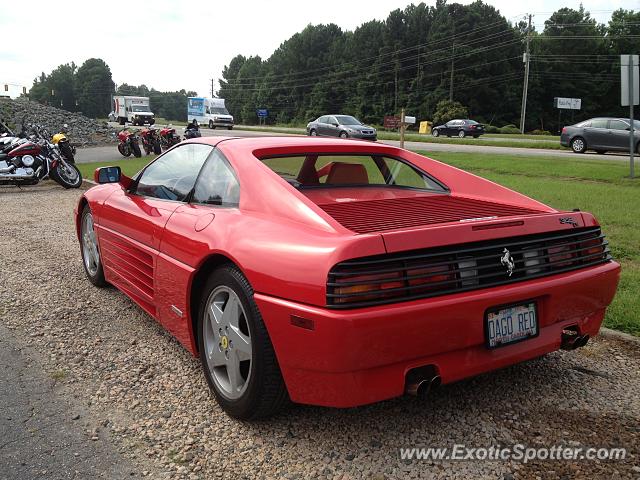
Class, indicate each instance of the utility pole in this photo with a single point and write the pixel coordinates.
(523, 110)
(402, 127)
(452, 67)
(212, 88)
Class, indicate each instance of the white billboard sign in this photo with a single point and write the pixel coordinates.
(568, 103)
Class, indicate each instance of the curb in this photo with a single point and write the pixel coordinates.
(616, 335)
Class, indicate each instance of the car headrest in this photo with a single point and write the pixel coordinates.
(347, 173)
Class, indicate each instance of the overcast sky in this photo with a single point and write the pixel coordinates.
(171, 45)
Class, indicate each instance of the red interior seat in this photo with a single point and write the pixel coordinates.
(347, 174)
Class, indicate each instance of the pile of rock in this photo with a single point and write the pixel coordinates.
(82, 131)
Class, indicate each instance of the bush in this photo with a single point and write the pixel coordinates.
(447, 110)
(491, 129)
(509, 129)
(540, 132)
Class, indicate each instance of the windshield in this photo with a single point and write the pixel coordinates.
(347, 120)
(139, 108)
(314, 170)
(219, 111)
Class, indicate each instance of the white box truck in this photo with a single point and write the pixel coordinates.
(209, 112)
(134, 110)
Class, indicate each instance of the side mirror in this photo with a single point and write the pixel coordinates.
(107, 175)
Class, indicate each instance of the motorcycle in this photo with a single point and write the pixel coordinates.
(60, 139)
(150, 140)
(168, 137)
(128, 143)
(27, 161)
(192, 132)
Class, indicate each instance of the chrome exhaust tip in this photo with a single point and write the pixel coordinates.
(422, 388)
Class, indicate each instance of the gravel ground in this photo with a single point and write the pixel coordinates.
(149, 398)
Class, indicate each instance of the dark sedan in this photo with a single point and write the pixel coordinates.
(601, 135)
(343, 126)
(459, 128)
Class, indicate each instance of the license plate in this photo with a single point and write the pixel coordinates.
(511, 324)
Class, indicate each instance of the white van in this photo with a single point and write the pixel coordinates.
(209, 112)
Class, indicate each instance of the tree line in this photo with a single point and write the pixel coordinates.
(422, 55)
(89, 88)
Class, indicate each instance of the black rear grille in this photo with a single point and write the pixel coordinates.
(457, 268)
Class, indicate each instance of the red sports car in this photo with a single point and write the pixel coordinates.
(341, 272)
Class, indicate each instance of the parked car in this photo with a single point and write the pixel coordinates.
(341, 272)
(343, 126)
(459, 128)
(601, 135)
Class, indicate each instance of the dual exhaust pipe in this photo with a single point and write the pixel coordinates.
(420, 381)
(571, 339)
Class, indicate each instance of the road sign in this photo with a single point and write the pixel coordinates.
(624, 80)
(391, 122)
(567, 103)
(263, 112)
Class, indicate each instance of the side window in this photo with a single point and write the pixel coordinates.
(599, 123)
(172, 176)
(217, 184)
(332, 120)
(617, 125)
(323, 119)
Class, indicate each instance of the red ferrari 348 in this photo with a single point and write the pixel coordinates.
(341, 272)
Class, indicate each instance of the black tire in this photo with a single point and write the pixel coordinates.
(476, 136)
(98, 278)
(213, 127)
(344, 135)
(121, 121)
(157, 149)
(462, 134)
(435, 132)
(124, 150)
(68, 176)
(230, 128)
(266, 393)
(313, 132)
(135, 147)
(152, 121)
(66, 151)
(578, 145)
(211, 124)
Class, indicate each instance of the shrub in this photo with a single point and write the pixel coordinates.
(509, 129)
(447, 110)
(491, 129)
(540, 132)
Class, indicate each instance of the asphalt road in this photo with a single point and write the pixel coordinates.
(98, 154)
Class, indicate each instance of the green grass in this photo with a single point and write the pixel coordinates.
(129, 166)
(599, 187)
(519, 141)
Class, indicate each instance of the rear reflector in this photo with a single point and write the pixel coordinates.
(302, 322)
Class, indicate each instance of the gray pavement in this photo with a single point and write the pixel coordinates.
(43, 434)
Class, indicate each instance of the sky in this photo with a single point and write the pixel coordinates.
(170, 45)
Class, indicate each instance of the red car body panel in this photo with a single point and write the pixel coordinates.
(285, 244)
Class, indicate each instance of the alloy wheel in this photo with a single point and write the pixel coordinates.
(227, 342)
(90, 252)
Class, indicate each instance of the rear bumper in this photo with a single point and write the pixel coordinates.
(362, 356)
(564, 140)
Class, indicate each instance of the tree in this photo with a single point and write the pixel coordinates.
(448, 110)
(95, 88)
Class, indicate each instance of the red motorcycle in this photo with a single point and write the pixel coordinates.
(150, 140)
(169, 137)
(128, 143)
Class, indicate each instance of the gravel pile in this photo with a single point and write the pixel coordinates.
(148, 394)
(82, 131)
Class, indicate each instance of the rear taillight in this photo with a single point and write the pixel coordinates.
(473, 127)
(564, 129)
(356, 285)
(558, 254)
(591, 247)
